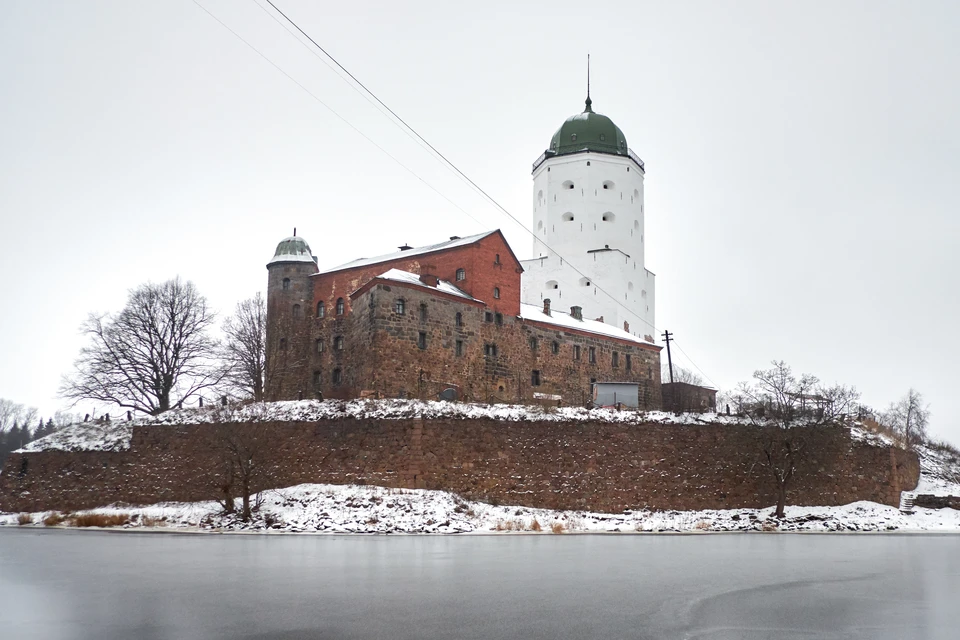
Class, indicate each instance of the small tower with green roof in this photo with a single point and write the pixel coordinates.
(290, 315)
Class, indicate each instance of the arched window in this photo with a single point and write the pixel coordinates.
(497, 259)
(584, 282)
(321, 309)
(552, 284)
(338, 343)
(567, 217)
(337, 375)
(296, 311)
(608, 217)
(568, 184)
(399, 307)
(340, 306)
(459, 319)
(423, 312)
(286, 283)
(461, 275)
(607, 184)
(320, 345)
(496, 293)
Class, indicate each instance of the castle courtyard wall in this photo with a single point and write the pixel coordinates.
(576, 465)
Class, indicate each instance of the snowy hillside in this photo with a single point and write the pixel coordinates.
(115, 436)
(318, 508)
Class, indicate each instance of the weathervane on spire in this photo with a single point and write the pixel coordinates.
(589, 101)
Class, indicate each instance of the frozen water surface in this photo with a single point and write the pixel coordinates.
(82, 584)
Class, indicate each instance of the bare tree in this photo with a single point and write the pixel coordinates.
(153, 355)
(783, 404)
(909, 417)
(244, 349)
(680, 374)
(14, 413)
(243, 448)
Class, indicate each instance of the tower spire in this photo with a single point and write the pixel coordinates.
(589, 101)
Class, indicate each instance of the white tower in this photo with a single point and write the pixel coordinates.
(588, 225)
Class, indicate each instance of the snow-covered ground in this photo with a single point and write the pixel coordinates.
(115, 435)
(321, 508)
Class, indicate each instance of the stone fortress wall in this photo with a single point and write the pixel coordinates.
(606, 467)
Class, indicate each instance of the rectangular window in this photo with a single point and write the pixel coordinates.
(423, 313)
(556, 347)
(490, 350)
(459, 347)
(535, 378)
(422, 340)
(499, 319)
(533, 344)
(629, 363)
(320, 345)
(615, 359)
(488, 316)
(576, 352)
(593, 355)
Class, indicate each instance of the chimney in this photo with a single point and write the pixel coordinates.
(546, 306)
(576, 313)
(454, 238)
(427, 276)
(404, 247)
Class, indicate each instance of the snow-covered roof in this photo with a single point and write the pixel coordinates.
(443, 286)
(292, 249)
(449, 244)
(566, 321)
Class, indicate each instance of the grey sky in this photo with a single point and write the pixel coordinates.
(801, 163)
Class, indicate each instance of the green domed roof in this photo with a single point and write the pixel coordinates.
(588, 131)
(292, 249)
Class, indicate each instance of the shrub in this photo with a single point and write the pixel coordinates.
(24, 518)
(147, 521)
(535, 526)
(54, 519)
(557, 527)
(100, 519)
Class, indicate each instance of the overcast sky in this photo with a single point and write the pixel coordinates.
(801, 185)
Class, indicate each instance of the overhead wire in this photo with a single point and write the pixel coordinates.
(335, 113)
(453, 166)
(424, 143)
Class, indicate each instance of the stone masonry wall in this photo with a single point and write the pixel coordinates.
(600, 467)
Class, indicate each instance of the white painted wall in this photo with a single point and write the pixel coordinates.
(600, 231)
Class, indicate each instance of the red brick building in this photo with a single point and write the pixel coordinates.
(423, 320)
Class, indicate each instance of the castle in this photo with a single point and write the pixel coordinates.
(466, 318)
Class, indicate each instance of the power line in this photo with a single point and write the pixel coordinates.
(406, 126)
(464, 176)
(716, 386)
(334, 112)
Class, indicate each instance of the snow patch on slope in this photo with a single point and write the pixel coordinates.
(338, 509)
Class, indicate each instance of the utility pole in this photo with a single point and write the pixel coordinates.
(667, 337)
